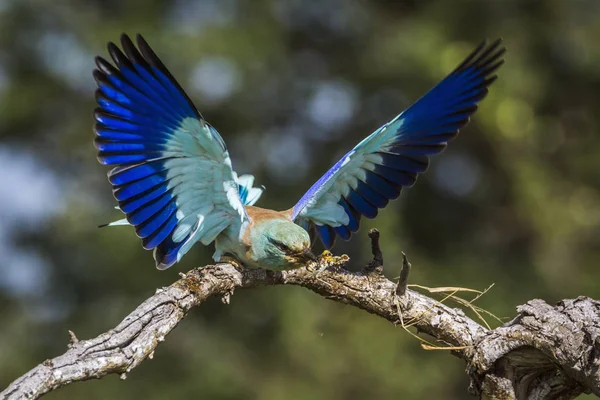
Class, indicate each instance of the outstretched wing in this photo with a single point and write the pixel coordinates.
(173, 177)
(375, 171)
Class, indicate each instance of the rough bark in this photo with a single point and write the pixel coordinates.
(545, 352)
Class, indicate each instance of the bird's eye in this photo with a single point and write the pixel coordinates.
(280, 245)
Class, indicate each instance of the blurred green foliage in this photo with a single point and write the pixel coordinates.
(291, 85)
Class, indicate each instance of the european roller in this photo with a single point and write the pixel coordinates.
(173, 177)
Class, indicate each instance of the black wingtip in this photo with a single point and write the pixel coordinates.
(131, 51)
(124, 37)
(145, 48)
(103, 225)
(104, 67)
(154, 61)
(114, 52)
(486, 56)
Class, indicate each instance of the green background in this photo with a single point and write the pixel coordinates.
(291, 86)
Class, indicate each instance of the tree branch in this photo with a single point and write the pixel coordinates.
(544, 352)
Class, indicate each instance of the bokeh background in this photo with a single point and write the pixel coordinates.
(292, 85)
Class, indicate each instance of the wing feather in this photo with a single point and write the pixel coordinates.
(173, 177)
(376, 170)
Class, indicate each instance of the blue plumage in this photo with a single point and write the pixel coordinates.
(375, 171)
(247, 193)
(123, 175)
(151, 225)
(353, 215)
(243, 193)
(394, 176)
(140, 105)
(317, 188)
(138, 187)
(113, 135)
(356, 200)
(131, 204)
(370, 195)
(386, 188)
(173, 179)
(402, 162)
(161, 226)
(343, 232)
(142, 214)
(327, 235)
(168, 251)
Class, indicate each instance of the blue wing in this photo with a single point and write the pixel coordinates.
(173, 177)
(376, 170)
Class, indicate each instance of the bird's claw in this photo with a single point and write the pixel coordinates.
(233, 261)
(322, 267)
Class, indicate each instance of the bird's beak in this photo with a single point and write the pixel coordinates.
(308, 255)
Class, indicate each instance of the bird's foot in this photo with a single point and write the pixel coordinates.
(321, 266)
(233, 261)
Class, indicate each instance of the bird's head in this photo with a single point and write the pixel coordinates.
(285, 245)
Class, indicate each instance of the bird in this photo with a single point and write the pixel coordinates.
(173, 179)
